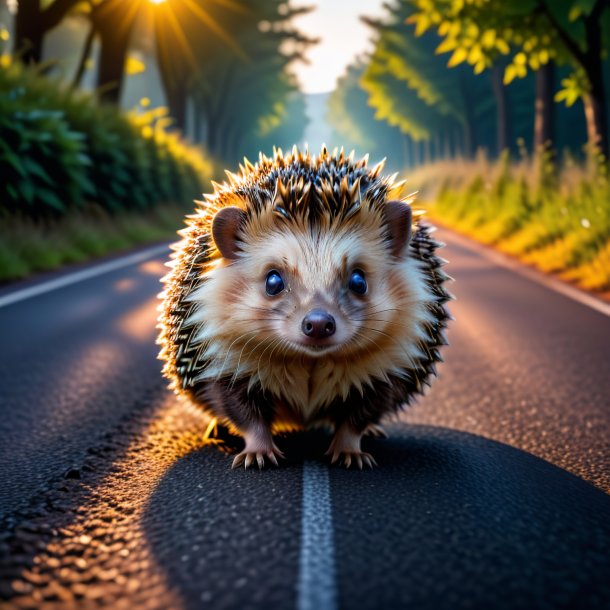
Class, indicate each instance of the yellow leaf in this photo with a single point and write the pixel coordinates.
(543, 57)
(480, 66)
(488, 40)
(475, 55)
(502, 46)
(509, 74)
(459, 55)
(534, 63)
(447, 45)
(520, 59)
(134, 65)
(443, 28)
(423, 23)
(472, 30)
(574, 13)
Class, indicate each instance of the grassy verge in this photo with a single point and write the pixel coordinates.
(558, 222)
(28, 246)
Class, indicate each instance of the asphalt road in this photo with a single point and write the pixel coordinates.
(491, 491)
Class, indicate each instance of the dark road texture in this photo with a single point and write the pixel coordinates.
(490, 491)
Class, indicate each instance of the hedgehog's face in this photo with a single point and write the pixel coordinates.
(314, 291)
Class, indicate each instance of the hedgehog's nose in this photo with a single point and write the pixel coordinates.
(318, 324)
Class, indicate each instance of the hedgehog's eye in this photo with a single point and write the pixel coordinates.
(274, 284)
(357, 282)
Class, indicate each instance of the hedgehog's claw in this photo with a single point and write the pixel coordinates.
(249, 458)
(259, 445)
(349, 458)
(345, 447)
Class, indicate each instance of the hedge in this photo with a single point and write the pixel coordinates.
(60, 151)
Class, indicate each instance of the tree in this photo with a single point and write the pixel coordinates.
(538, 32)
(411, 88)
(355, 127)
(242, 85)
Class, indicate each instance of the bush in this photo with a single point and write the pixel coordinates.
(555, 219)
(59, 150)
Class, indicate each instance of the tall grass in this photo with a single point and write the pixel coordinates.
(32, 245)
(557, 220)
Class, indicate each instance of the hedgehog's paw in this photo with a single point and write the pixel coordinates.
(259, 445)
(347, 458)
(345, 449)
(248, 458)
(376, 431)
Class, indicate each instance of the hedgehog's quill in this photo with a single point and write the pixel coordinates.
(303, 292)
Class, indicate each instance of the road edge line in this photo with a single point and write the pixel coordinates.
(79, 276)
(539, 277)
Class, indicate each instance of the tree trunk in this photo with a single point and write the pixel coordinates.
(29, 32)
(212, 133)
(113, 22)
(595, 109)
(177, 98)
(470, 143)
(111, 69)
(544, 132)
(427, 152)
(174, 76)
(197, 122)
(438, 147)
(84, 58)
(448, 142)
(457, 143)
(32, 23)
(502, 113)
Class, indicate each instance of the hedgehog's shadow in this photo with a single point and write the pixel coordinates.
(443, 507)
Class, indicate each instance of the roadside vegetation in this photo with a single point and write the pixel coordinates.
(80, 180)
(557, 221)
(28, 246)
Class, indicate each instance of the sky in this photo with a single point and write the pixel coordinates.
(343, 36)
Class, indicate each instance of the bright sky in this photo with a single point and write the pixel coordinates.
(343, 37)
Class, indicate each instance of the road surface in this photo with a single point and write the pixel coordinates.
(491, 491)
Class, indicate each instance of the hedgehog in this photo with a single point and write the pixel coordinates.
(304, 292)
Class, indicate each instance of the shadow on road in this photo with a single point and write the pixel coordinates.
(448, 520)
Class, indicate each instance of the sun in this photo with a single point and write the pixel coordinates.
(157, 1)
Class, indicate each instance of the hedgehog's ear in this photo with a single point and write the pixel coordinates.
(225, 227)
(398, 219)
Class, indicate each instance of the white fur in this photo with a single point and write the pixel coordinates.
(237, 342)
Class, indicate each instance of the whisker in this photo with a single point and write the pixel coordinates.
(234, 377)
(396, 342)
(229, 351)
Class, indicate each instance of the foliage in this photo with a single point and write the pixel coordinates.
(58, 150)
(558, 222)
(531, 33)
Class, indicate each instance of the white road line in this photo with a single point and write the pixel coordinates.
(317, 582)
(79, 276)
(539, 277)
